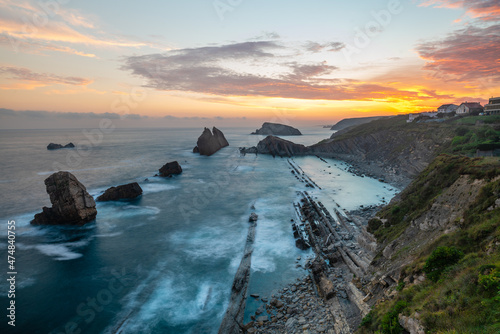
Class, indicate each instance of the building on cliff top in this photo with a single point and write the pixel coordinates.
(493, 106)
(469, 107)
(447, 108)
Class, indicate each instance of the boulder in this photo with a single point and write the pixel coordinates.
(277, 130)
(210, 142)
(170, 168)
(53, 146)
(126, 191)
(71, 203)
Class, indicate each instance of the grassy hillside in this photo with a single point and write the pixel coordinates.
(461, 291)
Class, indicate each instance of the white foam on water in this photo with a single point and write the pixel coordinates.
(209, 242)
(108, 235)
(149, 188)
(243, 169)
(60, 252)
(123, 209)
(175, 302)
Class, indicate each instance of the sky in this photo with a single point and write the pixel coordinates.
(70, 63)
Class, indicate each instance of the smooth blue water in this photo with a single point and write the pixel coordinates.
(165, 262)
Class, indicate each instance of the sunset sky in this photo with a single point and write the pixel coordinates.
(176, 63)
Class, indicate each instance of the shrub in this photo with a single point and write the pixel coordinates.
(489, 277)
(373, 225)
(390, 320)
(439, 260)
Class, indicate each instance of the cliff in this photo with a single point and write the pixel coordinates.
(209, 143)
(348, 122)
(387, 148)
(437, 247)
(277, 130)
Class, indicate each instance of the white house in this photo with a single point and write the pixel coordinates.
(447, 108)
(468, 107)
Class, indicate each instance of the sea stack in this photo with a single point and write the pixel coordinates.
(53, 146)
(276, 146)
(71, 203)
(170, 168)
(125, 191)
(209, 143)
(277, 130)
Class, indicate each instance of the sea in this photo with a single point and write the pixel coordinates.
(164, 262)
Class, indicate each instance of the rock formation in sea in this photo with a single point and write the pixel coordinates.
(53, 146)
(71, 203)
(276, 146)
(277, 130)
(210, 142)
(170, 168)
(125, 191)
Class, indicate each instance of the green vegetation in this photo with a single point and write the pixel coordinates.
(418, 196)
(468, 139)
(462, 291)
(440, 259)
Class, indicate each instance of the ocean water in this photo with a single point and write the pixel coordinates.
(163, 263)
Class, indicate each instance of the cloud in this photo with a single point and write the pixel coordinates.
(315, 47)
(25, 74)
(252, 69)
(485, 10)
(471, 53)
(48, 26)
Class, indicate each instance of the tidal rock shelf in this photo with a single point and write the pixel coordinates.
(232, 323)
(332, 298)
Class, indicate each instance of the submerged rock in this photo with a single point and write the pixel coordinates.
(209, 143)
(53, 146)
(277, 130)
(126, 191)
(170, 168)
(71, 203)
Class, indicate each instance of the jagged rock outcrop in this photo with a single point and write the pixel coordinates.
(276, 146)
(170, 168)
(53, 146)
(277, 130)
(125, 191)
(411, 325)
(71, 203)
(210, 142)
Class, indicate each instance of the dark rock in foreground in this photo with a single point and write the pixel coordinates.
(276, 146)
(170, 168)
(71, 203)
(209, 143)
(126, 191)
(277, 130)
(53, 146)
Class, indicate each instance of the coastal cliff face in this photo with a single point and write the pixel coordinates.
(452, 207)
(71, 203)
(387, 148)
(277, 130)
(209, 143)
(348, 122)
